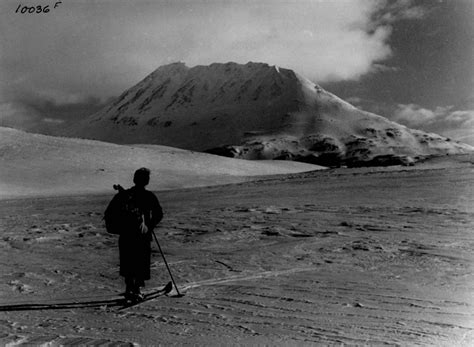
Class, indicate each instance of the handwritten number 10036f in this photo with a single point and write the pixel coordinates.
(35, 9)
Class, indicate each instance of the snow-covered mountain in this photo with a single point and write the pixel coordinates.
(256, 111)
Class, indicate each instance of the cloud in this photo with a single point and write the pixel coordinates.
(456, 124)
(17, 115)
(39, 113)
(414, 115)
(376, 67)
(390, 11)
(322, 40)
(103, 47)
(449, 121)
(460, 125)
(53, 120)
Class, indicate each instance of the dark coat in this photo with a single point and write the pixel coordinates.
(134, 247)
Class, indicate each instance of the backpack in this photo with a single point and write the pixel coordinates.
(123, 214)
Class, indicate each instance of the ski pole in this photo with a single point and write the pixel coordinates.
(166, 263)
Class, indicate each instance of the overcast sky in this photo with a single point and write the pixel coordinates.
(411, 61)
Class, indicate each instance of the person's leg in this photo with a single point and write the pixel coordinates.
(133, 293)
(140, 283)
(129, 287)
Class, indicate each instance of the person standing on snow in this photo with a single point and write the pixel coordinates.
(136, 211)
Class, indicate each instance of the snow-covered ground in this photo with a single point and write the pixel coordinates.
(334, 257)
(32, 165)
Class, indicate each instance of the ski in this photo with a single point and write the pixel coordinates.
(75, 303)
(149, 296)
(62, 305)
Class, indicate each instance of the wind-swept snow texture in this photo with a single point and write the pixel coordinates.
(343, 257)
(32, 164)
(256, 111)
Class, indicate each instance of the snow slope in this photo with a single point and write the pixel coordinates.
(255, 111)
(32, 164)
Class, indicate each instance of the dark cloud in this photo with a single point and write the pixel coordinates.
(431, 61)
(40, 114)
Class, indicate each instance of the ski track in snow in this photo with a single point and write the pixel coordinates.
(348, 257)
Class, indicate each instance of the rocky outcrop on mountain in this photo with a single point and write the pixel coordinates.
(256, 111)
(355, 151)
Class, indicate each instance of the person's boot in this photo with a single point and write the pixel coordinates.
(129, 289)
(137, 295)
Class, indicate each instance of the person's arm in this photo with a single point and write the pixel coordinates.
(156, 211)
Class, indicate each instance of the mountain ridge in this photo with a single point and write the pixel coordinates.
(256, 111)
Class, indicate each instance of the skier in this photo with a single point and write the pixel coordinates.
(136, 236)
